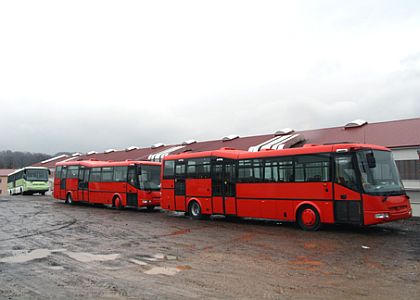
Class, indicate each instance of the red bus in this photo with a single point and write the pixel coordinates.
(342, 183)
(120, 184)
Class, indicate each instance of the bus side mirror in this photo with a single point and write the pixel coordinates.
(371, 161)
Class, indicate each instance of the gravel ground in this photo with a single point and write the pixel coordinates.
(52, 250)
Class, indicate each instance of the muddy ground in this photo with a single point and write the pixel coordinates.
(52, 250)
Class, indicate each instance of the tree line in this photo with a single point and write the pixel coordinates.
(16, 159)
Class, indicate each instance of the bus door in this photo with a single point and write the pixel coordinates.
(224, 186)
(57, 181)
(347, 197)
(63, 181)
(180, 188)
(132, 187)
(83, 184)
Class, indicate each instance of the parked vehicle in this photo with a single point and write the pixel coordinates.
(28, 181)
(120, 184)
(312, 185)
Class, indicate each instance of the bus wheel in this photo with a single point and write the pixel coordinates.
(308, 218)
(69, 199)
(117, 203)
(194, 210)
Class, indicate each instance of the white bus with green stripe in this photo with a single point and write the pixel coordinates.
(28, 181)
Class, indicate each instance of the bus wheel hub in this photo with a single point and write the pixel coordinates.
(195, 209)
(308, 217)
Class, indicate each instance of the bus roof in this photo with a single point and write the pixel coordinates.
(307, 149)
(100, 163)
(27, 168)
(222, 152)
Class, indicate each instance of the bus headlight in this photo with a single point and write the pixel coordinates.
(146, 201)
(382, 216)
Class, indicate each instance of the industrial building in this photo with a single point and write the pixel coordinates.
(3, 180)
(401, 136)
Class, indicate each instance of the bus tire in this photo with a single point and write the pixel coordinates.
(194, 210)
(308, 218)
(117, 204)
(69, 199)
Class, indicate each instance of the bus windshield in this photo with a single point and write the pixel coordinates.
(149, 177)
(379, 173)
(36, 175)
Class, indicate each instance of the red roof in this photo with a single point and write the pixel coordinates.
(50, 163)
(5, 172)
(391, 134)
(137, 154)
(98, 163)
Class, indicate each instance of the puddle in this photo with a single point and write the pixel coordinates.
(138, 262)
(162, 271)
(89, 257)
(23, 257)
(150, 258)
(159, 256)
(56, 268)
(164, 256)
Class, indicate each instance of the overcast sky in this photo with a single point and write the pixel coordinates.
(91, 75)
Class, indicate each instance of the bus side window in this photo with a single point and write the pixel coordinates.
(95, 175)
(81, 176)
(58, 172)
(245, 171)
(257, 165)
(192, 168)
(285, 169)
(81, 173)
(180, 169)
(73, 172)
(250, 170)
(107, 174)
(203, 170)
(168, 169)
(345, 173)
(120, 174)
(131, 177)
(312, 168)
(86, 178)
(63, 173)
(198, 168)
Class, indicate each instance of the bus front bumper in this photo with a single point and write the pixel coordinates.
(378, 217)
(149, 202)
